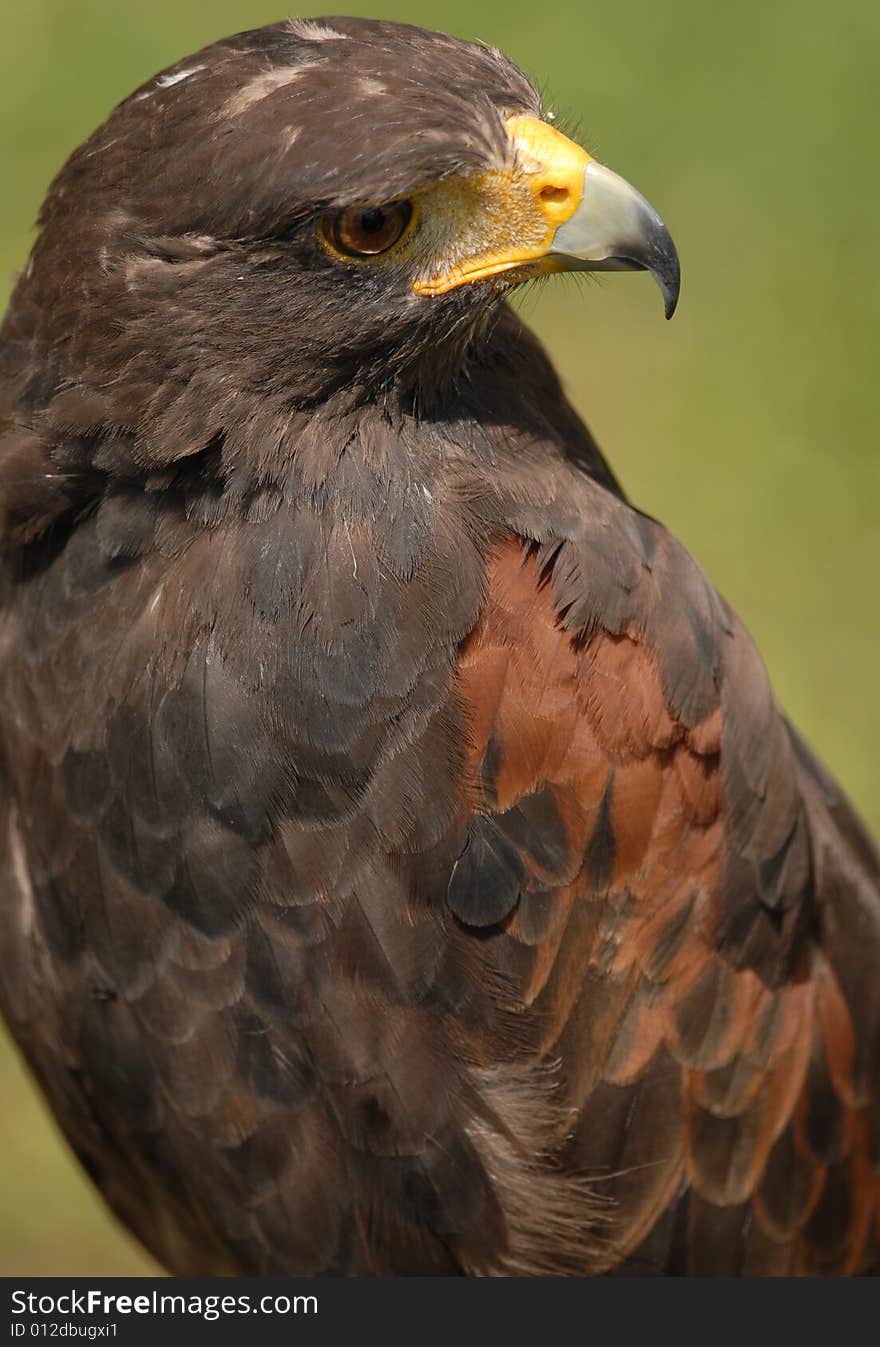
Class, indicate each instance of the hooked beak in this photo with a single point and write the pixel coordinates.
(572, 214)
(615, 229)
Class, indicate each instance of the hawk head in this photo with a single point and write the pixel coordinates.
(308, 210)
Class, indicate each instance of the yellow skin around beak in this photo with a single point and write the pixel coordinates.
(553, 167)
(555, 209)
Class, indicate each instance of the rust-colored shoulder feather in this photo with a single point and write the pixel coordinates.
(672, 887)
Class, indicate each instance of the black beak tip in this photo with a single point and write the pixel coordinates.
(659, 255)
(667, 273)
(655, 252)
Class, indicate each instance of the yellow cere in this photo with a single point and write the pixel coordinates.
(503, 219)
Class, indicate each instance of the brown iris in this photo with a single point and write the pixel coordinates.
(366, 231)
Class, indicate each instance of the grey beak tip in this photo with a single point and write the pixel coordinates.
(665, 268)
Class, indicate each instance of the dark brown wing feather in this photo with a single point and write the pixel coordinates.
(232, 808)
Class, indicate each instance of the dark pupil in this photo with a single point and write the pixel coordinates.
(372, 221)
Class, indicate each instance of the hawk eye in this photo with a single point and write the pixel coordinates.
(366, 231)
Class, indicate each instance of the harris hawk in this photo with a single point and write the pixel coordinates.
(405, 866)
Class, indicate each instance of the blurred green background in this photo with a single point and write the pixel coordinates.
(749, 425)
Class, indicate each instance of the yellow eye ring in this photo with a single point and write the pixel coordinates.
(361, 233)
